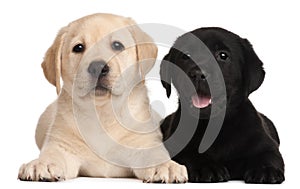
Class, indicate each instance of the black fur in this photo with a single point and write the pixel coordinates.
(247, 147)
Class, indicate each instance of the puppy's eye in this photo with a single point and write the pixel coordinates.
(186, 56)
(222, 56)
(79, 48)
(117, 46)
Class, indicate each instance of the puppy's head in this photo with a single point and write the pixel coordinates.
(237, 66)
(99, 54)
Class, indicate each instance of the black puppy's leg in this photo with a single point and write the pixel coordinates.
(205, 170)
(208, 173)
(266, 168)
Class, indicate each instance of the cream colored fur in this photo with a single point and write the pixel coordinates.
(65, 153)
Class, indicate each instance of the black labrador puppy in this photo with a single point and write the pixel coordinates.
(214, 72)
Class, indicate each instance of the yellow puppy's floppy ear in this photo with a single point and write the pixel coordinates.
(146, 49)
(52, 60)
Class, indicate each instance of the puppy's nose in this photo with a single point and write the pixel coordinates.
(98, 69)
(198, 75)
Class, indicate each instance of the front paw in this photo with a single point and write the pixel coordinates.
(208, 174)
(38, 170)
(170, 172)
(264, 175)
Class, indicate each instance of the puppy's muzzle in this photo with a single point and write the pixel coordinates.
(198, 75)
(98, 69)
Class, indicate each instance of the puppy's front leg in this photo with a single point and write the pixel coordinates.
(203, 169)
(265, 168)
(169, 172)
(53, 164)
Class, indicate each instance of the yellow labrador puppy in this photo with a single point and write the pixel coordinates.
(101, 124)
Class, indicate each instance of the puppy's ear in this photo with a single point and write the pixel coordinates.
(146, 50)
(165, 74)
(52, 60)
(253, 68)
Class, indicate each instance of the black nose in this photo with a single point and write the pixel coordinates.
(98, 69)
(198, 75)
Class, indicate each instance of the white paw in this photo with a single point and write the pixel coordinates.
(38, 170)
(170, 172)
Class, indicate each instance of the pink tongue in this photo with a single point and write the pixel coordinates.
(201, 101)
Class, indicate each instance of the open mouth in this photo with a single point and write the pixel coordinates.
(100, 87)
(201, 101)
(101, 90)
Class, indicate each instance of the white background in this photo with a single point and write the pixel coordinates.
(29, 27)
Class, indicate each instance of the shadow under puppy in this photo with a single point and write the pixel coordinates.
(247, 145)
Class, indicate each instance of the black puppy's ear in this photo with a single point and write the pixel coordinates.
(165, 74)
(254, 71)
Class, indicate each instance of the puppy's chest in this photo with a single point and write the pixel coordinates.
(224, 146)
(113, 124)
(227, 146)
(108, 120)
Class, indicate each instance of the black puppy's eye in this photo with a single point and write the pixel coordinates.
(79, 48)
(117, 46)
(223, 56)
(186, 56)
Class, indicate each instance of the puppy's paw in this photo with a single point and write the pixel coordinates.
(208, 174)
(264, 175)
(37, 170)
(170, 172)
